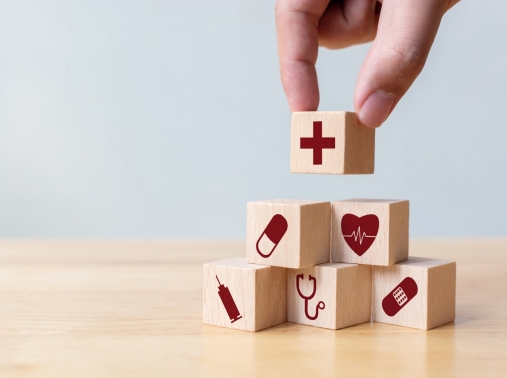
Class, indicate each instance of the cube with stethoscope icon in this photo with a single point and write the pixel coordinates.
(331, 295)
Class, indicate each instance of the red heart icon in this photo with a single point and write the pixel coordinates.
(360, 233)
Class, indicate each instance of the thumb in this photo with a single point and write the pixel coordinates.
(405, 34)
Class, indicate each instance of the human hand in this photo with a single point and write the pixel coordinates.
(402, 30)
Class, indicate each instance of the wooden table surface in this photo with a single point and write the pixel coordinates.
(133, 309)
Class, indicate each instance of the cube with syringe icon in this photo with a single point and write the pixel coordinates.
(250, 297)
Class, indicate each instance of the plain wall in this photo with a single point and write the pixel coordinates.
(161, 119)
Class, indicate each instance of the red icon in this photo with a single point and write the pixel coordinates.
(399, 297)
(317, 143)
(274, 231)
(360, 233)
(228, 302)
(321, 305)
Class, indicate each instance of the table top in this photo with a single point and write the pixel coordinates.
(103, 309)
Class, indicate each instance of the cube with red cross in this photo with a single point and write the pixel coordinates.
(331, 143)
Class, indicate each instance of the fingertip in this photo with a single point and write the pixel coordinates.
(303, 103)
(301, 87)
(376, 108)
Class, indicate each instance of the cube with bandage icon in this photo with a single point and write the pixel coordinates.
(417, 293)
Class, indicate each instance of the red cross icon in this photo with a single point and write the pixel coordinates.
(317, 143)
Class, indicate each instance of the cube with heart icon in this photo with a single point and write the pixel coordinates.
(288, 233)
(368, 231)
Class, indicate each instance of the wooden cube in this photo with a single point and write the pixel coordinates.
(331, 142)
(244, 296)
(417, 293)
(288, 233)
(367, 231)
(331, 295)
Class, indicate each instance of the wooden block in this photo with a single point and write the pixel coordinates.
(418, 293)
(367, 231)
(244, 296)
(331, 295)
(288, 233)
(331, 142)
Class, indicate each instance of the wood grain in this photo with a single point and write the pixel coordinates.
(391, 243)
(306, 241)
(354, 151)
(129, 309)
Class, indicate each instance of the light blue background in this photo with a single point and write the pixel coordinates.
(161, 119)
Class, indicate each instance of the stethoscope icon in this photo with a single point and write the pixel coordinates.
(320, 305)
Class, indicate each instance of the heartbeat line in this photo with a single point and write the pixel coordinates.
(358, 235)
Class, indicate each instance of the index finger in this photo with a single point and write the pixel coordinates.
(298, 45)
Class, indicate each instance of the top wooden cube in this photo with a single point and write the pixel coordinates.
(331, 143)
(288, 233)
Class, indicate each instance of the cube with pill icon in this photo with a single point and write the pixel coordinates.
(244, 296)
(369, 231)
(331, 295)
(417, 293)
(331, 143)
(288, 233)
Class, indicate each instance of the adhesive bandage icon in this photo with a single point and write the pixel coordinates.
(400, 296)
(271, 236)
(359, 232)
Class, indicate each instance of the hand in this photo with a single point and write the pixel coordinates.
(402, 30)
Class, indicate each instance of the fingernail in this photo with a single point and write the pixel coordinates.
(376, 108)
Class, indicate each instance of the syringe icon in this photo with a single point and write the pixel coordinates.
(230, 306)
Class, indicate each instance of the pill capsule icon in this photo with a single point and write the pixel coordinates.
(399, 296)
(271, 236)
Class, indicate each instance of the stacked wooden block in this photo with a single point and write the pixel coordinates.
(329, 265)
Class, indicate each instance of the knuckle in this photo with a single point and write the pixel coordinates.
(363, 29)
(360, 31)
